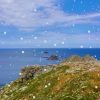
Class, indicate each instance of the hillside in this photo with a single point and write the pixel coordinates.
(75, 78)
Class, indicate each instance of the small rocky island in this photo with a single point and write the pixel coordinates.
(75, 78)
(53, 57)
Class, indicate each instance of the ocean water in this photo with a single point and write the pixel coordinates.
(13, 60)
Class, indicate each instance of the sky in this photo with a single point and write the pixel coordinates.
(49, 23)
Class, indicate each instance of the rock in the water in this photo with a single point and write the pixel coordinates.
(53, 57)
(45, 52)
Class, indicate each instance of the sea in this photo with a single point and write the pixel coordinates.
(13, 60)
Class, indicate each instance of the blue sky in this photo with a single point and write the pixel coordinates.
(50, 24)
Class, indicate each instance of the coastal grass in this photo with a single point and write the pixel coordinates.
(60, 83)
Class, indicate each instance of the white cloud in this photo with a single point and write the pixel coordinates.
(53, 39)
(29, 14)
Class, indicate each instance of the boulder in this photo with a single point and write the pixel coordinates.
(29, 72)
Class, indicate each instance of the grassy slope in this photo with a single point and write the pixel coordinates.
(68, 81)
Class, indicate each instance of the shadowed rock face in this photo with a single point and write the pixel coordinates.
(29, 72)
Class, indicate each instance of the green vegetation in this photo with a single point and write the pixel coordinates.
(70, 80)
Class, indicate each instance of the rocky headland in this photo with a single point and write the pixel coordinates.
(75, 78)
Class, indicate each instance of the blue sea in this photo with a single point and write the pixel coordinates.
(13, 60)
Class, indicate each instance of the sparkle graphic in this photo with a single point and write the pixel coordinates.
(21, 38)
(81, 46)
(5, 33)
(23, 52)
